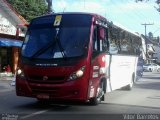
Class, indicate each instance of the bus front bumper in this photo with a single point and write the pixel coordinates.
(72, 91)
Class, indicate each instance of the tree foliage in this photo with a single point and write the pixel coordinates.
(156, 1)
(29, 9)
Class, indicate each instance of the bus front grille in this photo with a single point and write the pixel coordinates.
(46, 79)
(44, 89)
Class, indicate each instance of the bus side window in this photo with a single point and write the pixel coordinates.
(95, 40)
(105, 42)
(113, 42)
(100, 40)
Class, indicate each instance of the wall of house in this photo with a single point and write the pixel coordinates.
(8, 55)
(157, 53)
(6, 27)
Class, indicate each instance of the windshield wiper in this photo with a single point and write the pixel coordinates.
(61, 48)
(46, 47)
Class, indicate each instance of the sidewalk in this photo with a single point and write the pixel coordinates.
(7, 82)
(6, 86)
(6, 76)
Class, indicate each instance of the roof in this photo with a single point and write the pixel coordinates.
(10, 13)
(149, 41)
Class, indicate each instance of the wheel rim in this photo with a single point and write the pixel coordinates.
(100, 91)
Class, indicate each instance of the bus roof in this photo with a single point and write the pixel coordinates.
(115, 25)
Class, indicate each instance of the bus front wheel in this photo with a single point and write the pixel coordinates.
(99, 96)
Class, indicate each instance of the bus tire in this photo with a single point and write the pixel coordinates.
(100, 94)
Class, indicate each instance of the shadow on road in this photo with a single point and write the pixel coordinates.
(40, 106)
(55, 106)
(149, 81)
(151, 77)
(155, 97)
(148, 85)
(130, 106)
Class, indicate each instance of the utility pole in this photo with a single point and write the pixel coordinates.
(145, 25)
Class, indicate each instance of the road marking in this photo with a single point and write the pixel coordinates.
(34, 114)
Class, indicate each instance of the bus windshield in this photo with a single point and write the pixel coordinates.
(50, 42)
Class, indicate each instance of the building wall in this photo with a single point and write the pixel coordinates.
(15, 58)
(157, 53)
(6, 27)
(8, 55)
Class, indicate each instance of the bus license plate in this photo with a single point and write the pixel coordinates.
(43, 96)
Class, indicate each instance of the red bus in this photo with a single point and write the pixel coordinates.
(71, 57)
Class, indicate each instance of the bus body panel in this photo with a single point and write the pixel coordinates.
(122, 68)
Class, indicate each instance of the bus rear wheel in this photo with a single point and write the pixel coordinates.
(100, 95)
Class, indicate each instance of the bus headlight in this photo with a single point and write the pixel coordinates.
(20, 73)
(79, 73)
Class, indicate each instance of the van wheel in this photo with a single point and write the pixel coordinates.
(100, 95)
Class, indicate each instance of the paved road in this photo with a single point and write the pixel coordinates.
(143, 102)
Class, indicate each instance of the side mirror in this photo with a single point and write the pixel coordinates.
(21, 29)
(102, 33)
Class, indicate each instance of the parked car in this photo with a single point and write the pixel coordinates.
(151, 67)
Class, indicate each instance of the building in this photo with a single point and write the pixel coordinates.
(153, 50)
(9, 43)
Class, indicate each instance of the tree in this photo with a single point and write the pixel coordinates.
(29, 9)
(156, 1)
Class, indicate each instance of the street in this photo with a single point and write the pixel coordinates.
(142, 102)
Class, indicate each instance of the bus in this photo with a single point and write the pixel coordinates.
(77, 57)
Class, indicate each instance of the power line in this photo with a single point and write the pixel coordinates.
(156, 30)
(138, 16)
(132, 18)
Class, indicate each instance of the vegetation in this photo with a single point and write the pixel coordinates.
(29, 9)
(156, 1)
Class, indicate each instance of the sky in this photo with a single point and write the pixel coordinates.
(125, 13)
